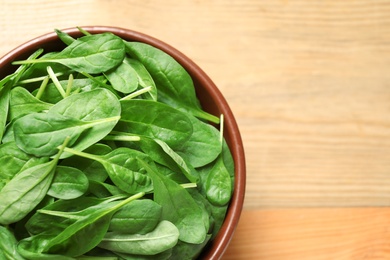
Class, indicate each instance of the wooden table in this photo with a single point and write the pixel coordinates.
(309, 84)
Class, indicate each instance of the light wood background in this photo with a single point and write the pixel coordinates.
(309, 84)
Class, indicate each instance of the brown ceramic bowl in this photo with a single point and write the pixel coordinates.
(208, 94)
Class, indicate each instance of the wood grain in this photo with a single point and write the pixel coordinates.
(307, 81)
(307, 234)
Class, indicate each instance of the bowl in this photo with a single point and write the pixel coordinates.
(207, 92)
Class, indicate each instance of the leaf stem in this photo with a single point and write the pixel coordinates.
(125, 138)
(69, 85)
(188, 185)
(82, 154)
(42, 87)
(221, 127)
(54, 78)
(137, 93)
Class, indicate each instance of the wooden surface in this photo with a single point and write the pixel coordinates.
(309, 84)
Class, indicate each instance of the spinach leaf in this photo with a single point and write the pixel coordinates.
(91, 168)
(160, 152)
(20, 195)
(174, 84)
(98, 105)
(123, 78)
(123, 167)
(103, 189)
(178, 207)
(202, 147)
(90, 229)
(64, 37)
(12, 160)
(144, 78)
(92, 54)
(68, 183)
(41, 133)
(139, 216)
(8, 245)
(4, 107)
(22, 102)
(42, 223)
(218, 184)
(162, 238)
(185, 250)
(32, 248)
(156, 120)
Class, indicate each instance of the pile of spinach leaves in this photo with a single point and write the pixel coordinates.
(106, 153)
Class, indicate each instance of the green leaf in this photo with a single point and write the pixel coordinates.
(19, 196)
(41, 133)
(68, 183)
(156, 120)
(123, 78)
(178, 207)
(123, 167)
(8, 244)
(144, 78)
(139, 216)
(92, 54)
(174, 84)
(90, 229)
(202, 147)
(22, 102)
(164, 237)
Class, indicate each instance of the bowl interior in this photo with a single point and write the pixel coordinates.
(210, 97)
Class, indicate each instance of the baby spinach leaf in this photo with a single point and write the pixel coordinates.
(91, 168)
(19, 196)
(4, 107)
(175, 85)
(32, 248)
(64, 37)
(41, 133)
(90, 229)
(139, 216)
(178, 207)
(92, 54)
(98, 105)
(185, 250)
(202, 147)
(12, 160)
(8, 244)
(103, 190)
(144, 78)
(162, 238)
(22, 102)
(45, 223)
(123, 78)
(218, 184)
(156, 120)
(68, 183)
(123, 167)
(160, 152)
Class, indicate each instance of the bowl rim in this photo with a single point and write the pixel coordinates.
(219, 244)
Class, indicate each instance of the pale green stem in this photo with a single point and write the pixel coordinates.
(221, 127)
(69, 85)
(189, 185)
(37, 79)
(42, 87)
(137, 93)
(55, 81)
(125, 138)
